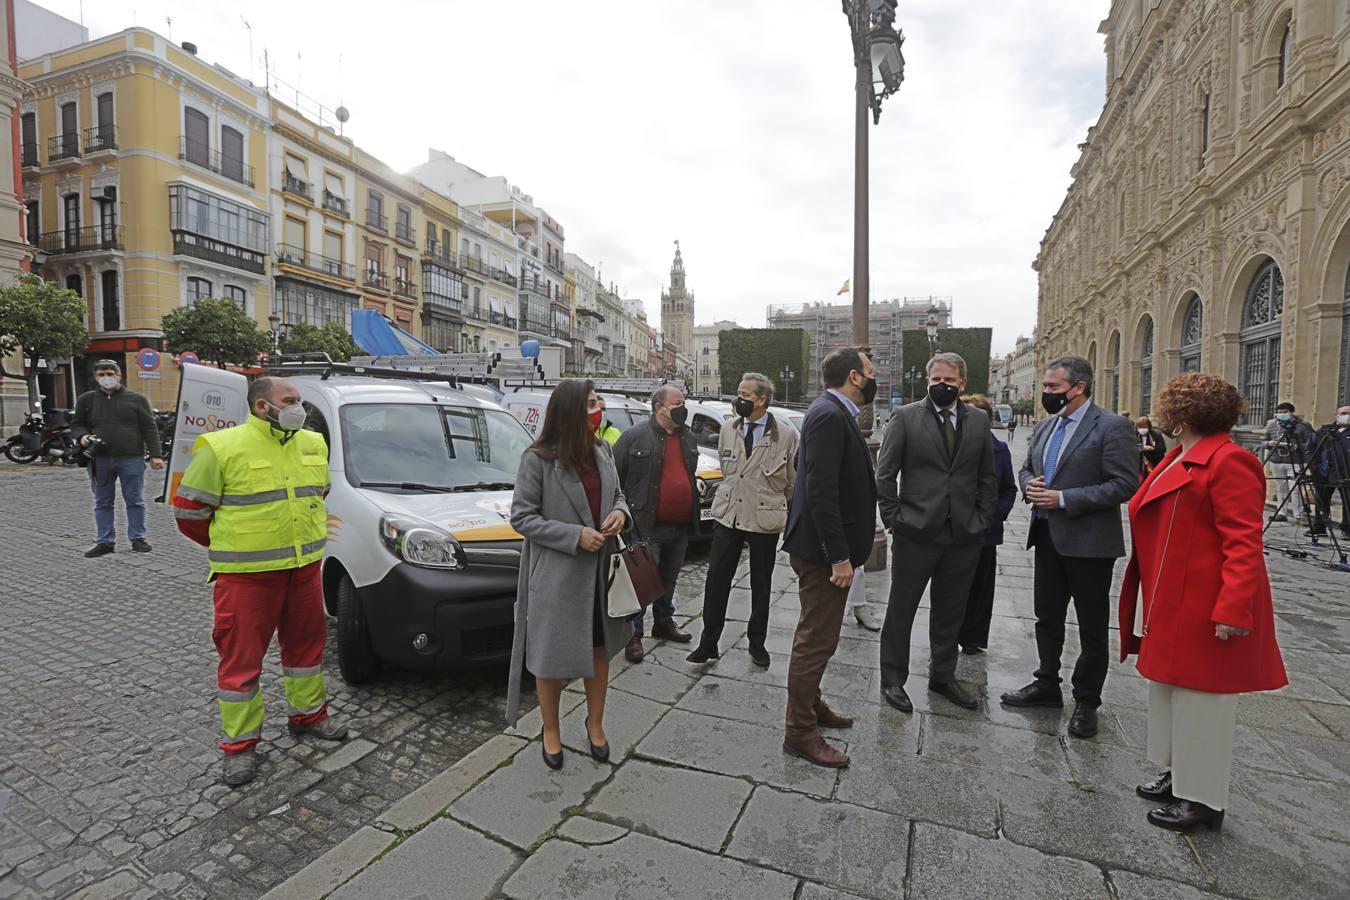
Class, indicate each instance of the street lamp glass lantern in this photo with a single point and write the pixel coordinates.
(888, 63)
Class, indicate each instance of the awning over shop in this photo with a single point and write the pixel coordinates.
(378, 337)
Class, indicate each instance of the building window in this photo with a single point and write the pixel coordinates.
(332, 252)
(196, 137)
(1260, 342)
(441, 286)
(375, 211)
(1146, 368)
(237, 294)
(1286, 46)
(214, 228)
(231, 153)
(75, 283)
(293, 236)
(1113, 370)
(112, 303)
(28, 136)
(1204, 127)
(198, 289)
(403, 226)
(1192, 331)
(34, 223)
(72, 210)
(301, 301)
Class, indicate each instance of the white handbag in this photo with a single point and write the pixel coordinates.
(623, 599)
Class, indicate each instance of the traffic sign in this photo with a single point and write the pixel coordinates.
(186, 357)
(148, 360)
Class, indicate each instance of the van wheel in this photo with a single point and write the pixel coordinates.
(356, 659)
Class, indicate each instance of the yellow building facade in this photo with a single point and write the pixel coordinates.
(389, 222)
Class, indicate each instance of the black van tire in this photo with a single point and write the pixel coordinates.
(356, 658)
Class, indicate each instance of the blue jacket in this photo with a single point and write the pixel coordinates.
(1333, 454)
(1007, 491)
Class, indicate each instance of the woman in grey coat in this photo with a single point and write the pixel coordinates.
(567, 505)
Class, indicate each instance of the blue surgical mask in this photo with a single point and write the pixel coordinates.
(1284, 416)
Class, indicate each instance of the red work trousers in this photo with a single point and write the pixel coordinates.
(250, 608)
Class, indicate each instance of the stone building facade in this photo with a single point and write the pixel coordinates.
(1208, 223)
(677, 307)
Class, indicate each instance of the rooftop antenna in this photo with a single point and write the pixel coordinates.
(299, 79)
(169, 21)
(251, 63)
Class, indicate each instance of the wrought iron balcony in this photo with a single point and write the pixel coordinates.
(333, 202)
(438, 253)
(403, 231)
(63, 146)
(378, 221)
(405, 288)
(202, 155)
(30, 154)
(473, 264)
(377, 280)
(187, 243)
(100, 138)
(315, 262)
(503, 320)
(292, 185)
(82, 240)
(503, 276)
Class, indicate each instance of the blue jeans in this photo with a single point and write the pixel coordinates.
(669, 543)
(104, 474)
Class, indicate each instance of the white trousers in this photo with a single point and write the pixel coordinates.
(1284, 487)
(1191, 732)
(857, 595)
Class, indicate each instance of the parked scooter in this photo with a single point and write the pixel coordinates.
(42, 438)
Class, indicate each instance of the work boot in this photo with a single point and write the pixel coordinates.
(140, 545)
(98, 550)
(328, 729)
(239, 768)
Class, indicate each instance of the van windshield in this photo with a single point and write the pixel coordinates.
(433, 447)
(624, 418)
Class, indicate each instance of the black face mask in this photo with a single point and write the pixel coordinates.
(943, 395)
(743, 407)
(679, 414)
(869, 390)
(1054, 403)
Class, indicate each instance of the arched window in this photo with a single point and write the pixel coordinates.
(198, 289)
(1113, 370)
(1146, 367)
(1260, 338)
(1192, 329)
(1286, 42)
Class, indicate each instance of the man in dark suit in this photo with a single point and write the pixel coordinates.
(831, 521)
(943, 455)
(1081, 465)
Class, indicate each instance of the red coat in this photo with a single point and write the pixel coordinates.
(1212, 570)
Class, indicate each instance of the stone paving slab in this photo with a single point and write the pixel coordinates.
(590, 831)
(444, 859)
(628, 718)
(642, 868)
(950, 863)
(655, 681)
(522, 802)
(1251, 859)
(1012, 750)
(683, 805)
(1130, 886)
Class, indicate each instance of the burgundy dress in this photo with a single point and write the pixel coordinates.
(590, 480)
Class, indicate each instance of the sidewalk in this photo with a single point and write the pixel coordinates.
(701, 802)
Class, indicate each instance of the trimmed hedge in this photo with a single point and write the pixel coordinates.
(765, 350)
(971, 343)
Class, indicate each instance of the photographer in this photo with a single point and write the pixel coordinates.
(1288, 439)
(116, 429)
(1152, 446)
(1331, 472)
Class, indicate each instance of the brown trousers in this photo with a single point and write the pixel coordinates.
(815, 642)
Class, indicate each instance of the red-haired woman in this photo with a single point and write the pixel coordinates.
(1196, 602)
(566, 505)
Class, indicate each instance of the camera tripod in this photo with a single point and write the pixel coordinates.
(1314, 494)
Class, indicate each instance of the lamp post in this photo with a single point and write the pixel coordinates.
(931, 326)
(786, 374)
(912, 378)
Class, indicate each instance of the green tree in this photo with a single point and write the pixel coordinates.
(768, 351)
(1024, 408)
(217, 330)
(971, 343)
(332, 339)
(43, 320)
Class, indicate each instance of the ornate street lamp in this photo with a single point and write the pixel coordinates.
(931, 326)
(786, 374)
(912, 378)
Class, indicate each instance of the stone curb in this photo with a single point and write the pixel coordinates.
(330, 871)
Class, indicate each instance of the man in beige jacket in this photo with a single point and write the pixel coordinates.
(759, 470)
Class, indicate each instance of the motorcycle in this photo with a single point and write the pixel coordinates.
(40, 438)
(165, 421)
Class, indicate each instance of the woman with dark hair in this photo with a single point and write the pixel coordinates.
(1152, 446)
(566, 506)
(1196, 603)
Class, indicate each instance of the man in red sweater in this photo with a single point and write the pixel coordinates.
(656, 469)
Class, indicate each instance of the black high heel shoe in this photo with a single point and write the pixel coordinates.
(553, 760)
(599, 752)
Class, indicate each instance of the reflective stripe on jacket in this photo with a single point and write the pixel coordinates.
(268, 497)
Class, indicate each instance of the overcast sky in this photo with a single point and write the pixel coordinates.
(727, 124)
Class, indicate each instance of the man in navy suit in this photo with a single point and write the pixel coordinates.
(831, 522)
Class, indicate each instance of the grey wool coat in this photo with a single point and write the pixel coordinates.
(559, 582)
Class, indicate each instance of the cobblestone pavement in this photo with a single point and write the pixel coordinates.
(108, 759)
(700, 800)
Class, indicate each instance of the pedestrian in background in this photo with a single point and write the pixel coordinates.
(1012, 427)
(124, 426)
(1081, 465)
(606, 430)
(1152, 446)
(759, 471)
(566, 505)
(1288, 441)
(831, 521)
(1331, 471)
(1195, 604)
(253, 495)
(974, 634)
(656, 463)
(936, 486)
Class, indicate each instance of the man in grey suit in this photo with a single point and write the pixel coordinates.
(939, 509)
(1081, 465)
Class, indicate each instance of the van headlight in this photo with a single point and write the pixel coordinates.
(701, 485)
(420, 543)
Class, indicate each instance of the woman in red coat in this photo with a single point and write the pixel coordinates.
(1196, 602)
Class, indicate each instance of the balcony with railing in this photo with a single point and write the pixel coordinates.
(63, 147)
(378, 221)
(296, 187)
(377, 280)
(187, 243)
(403, 231)
(82, 240)
(440, 303)
(503, 277)
(100, 139)
(436, 252)
(333, 203)
(534, 316)
(291, 255)
(202, 155)
(473, 264)
(404, 287)
(30, 154)
(503, 320)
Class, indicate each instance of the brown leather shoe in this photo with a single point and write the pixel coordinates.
(633, 651)
(828, 718)
(667, 631)
(813, 749)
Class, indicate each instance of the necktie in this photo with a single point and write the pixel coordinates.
(749, 438)
(1056, 444)
(948, 431)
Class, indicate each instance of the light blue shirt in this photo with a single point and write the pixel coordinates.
(848, 404)
(760, 427)
(1073, 420)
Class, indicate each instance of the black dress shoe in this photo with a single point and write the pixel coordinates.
(1035, 694)
(953, 692)
(554, 760)
(669, 631)
(972, 649)
(1159, 789)
(1186, 816)
(599, 752)
(895, 695)
(1083, 722)
(701, 654)
(141, 546)
(759, 656)
(98, 550)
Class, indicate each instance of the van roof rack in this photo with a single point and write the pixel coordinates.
(322, 365)
(604, 385)
(465, 365)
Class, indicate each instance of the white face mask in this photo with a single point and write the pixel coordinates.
(289, 418)
(1343, 419)
(108, 382)
(1143, 432)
